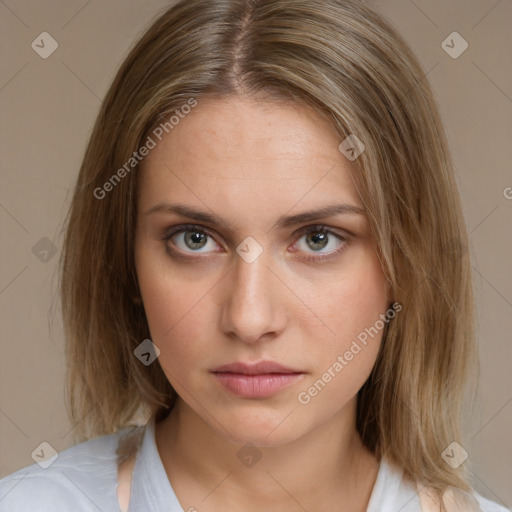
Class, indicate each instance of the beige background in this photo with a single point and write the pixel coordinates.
(48, 107)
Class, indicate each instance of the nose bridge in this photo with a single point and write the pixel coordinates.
(252, 307)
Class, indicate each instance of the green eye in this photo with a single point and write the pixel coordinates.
(310, 245)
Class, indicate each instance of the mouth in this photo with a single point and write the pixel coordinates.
(256, 380)
(259, 368)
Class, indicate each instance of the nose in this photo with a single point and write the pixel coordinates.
(253, 308)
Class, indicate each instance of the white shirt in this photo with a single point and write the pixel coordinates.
(83, 478)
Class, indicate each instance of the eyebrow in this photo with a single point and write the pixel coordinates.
(284, 221)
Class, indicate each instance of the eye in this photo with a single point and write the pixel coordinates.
(318, 238)
(191, 238)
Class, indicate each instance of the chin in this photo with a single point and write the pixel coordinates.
(263, 429)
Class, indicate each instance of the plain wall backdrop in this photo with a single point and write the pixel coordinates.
(48, 106)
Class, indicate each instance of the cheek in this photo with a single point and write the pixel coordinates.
(354, 300)
(352, 308)
(346, 359)
(177, 326)
(176, 311)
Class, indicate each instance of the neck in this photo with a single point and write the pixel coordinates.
(327, 467)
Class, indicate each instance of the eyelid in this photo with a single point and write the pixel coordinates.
(321, 257)
(322, 227)
(304, 230)
(187, 227)
(341, 234)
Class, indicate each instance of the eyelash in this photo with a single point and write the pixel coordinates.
(305, 231)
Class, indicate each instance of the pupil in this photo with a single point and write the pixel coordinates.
(196, 239)
(319, 240)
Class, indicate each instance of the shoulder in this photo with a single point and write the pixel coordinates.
(458, 500)
(488, 505)
(469, 501)
(395, 492)
(81, 478)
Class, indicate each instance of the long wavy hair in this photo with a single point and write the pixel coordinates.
(342, 58)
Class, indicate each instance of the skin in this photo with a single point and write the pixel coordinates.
(251, 162)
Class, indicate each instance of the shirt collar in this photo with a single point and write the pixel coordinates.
(151, 489)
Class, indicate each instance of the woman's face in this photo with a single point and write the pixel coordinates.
(242, 281)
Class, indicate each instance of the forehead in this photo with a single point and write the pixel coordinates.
(241, 152)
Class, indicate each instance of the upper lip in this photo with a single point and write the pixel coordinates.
(260, 368)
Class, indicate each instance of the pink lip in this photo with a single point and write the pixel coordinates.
(256, 380)
(260, 368)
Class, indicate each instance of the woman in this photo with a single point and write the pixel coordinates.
(263, 259)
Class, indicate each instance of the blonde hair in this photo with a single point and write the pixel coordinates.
(344, 60)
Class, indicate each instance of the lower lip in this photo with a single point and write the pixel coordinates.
(256, 386)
